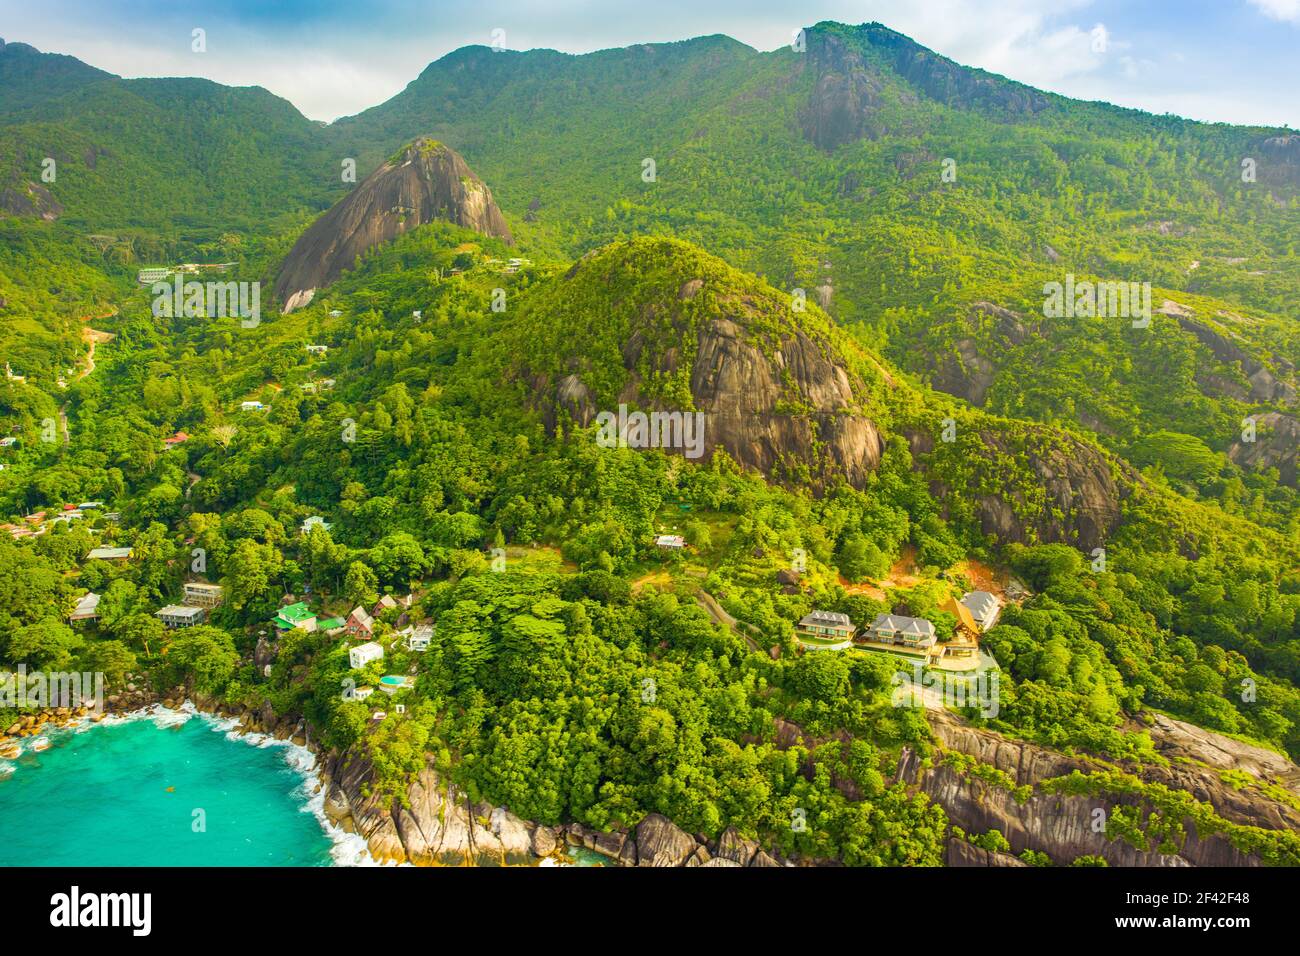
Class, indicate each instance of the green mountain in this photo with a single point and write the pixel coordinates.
(841, 259)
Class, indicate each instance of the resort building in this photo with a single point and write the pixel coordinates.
(672, 541)
(965, 640)
(251, 406)
(826, 626)
(965, 619)
(363, 654)
(295, 615)
(361, 693)
(179, 615)
(202, 594)
(910, 633)
(984, 607)
(331, 625)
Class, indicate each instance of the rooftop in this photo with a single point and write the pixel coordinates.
(825, 619)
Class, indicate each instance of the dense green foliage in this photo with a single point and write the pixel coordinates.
(585, 681)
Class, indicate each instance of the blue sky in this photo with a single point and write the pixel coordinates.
(1216, 60)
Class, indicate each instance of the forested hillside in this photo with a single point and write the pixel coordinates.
(892, 420)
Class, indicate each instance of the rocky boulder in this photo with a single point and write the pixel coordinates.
(1276, 445)
(424, 182)
(660, 842)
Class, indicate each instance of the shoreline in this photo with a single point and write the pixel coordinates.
(346, 849)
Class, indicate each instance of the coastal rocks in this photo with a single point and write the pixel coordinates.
(436, 825)
(263, 653)
(544, 842)
(735, 848)
(962, 853)
(660, 842)
(30, 200)
(1062, 825)
(35, 723)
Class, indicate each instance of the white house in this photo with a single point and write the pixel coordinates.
(87, 608)
(110, 554)
(315, 521)
(251, 406)
(363, 654)
(673, 541)
(984, 607)
(202, 594)
(179, 615)
(418, 637)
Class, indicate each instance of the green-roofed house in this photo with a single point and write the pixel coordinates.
(330, 625)
(295, 615)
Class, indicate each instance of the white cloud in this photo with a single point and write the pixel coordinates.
(1287, 11)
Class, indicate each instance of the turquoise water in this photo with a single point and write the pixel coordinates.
(125, 794)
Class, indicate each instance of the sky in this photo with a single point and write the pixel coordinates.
(1234, 61)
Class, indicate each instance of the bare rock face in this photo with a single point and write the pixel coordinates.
(970, 372)
(1061, 825)
(439, 826)
(738, 389)
(848, 91)
(1262, 384)
(427, 181)
(30, 200)
(660, 842)
(1276, 445)
(1081, 488)
(744, 393)
(843, 106)
(963, 853)
(1178, 739)
(734, 848)
(1279, 160)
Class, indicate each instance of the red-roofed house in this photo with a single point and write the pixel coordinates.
(359, 623)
